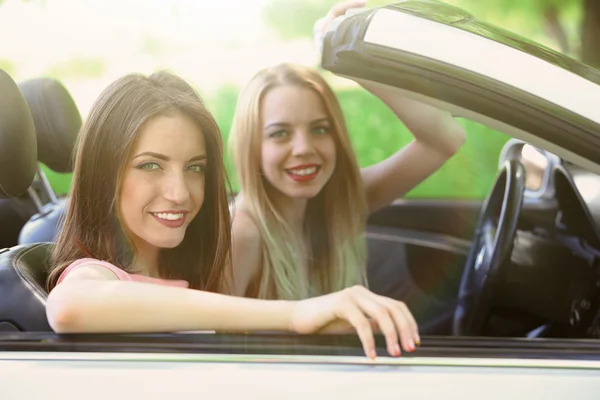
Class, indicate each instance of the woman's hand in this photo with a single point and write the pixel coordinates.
(363, 310)
(338, 9)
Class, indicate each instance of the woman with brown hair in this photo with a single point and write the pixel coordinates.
(146, 239)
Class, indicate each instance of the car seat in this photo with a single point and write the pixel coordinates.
(57, 122)
(23, 269)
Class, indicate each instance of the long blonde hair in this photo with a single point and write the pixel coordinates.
(93, 225)
(335, 219)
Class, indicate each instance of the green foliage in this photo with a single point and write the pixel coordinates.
(292, 19)
(377, 133)
(79, 68)
(501, 9)
(153, 46)
(59, 182)
(526, 18)
(222, 106)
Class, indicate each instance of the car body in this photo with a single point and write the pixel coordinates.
(542, 339)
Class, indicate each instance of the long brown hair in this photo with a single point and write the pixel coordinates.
(335, 219)
(92, 226)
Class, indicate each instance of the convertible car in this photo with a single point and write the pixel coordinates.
(515, 278)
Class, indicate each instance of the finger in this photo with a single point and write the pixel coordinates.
(381, 312)
(414, 327)
(341, 8)
(405, 323)
(352, 313)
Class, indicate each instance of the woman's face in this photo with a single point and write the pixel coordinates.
(298, 149)
(163, 184)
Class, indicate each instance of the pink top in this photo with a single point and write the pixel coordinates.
(122, 275)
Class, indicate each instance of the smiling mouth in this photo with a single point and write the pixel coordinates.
(169, 216)
(303, 174)
(170, 219)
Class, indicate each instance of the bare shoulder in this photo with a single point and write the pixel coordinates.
(245, 228)
(246, 250)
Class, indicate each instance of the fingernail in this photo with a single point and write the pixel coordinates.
(411, 345)
(372, 355)
(418, 341)
(397, 350)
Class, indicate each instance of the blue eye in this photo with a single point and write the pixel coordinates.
(278, 134)
(148, 166)
(197, 168)
(320, 130)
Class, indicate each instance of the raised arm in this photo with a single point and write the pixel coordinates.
(437, 135)
(437, 138)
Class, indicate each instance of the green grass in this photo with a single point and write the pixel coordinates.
(376, 134)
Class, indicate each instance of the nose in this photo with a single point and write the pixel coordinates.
(175, 188)
(303, 143)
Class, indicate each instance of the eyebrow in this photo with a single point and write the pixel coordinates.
(165, 158)
(278, 124)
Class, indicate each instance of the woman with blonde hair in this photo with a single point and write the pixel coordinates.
(146, 239)
(304, 201)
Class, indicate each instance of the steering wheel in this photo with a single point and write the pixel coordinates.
(491, 248)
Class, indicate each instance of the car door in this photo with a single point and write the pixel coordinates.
(441, 55)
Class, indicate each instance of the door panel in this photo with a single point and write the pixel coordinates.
(416, 253)
(419, 247)
(456, 218)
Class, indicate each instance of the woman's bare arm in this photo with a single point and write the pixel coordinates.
(437, 138)
(437, 135)
(91, 299)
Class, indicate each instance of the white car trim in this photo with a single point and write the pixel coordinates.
(499, 126)
(300, 359)
(486, 57)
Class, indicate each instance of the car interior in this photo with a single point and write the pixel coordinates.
(524, 263)
(38, 122)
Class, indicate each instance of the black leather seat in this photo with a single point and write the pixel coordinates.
(23, 269)
(23, 272)
(14, 214)
(57, 122)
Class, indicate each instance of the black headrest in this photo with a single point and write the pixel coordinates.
(57, 121)
(18, 148)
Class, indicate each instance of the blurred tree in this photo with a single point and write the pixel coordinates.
(292, 19)
(553, 17)
(590, 33)
(527, 18)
